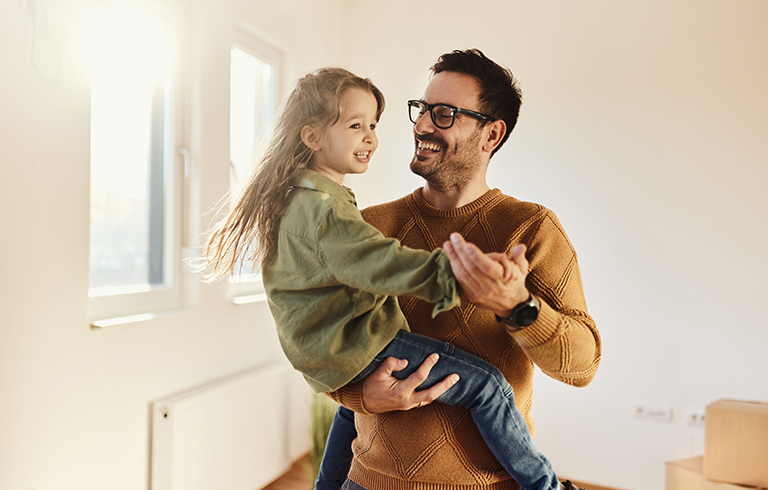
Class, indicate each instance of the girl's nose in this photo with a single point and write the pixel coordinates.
(370, 136)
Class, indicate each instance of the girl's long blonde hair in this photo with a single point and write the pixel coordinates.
(249, 231)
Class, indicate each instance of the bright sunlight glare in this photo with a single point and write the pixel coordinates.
(127, 53)
(128, 56)
(125, 41)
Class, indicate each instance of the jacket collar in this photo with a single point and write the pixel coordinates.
(309, 179)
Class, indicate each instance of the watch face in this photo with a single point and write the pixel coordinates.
(527, 316)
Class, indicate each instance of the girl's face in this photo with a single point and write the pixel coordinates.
(347, 146)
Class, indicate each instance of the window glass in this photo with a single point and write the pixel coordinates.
(128, 52)
(251, 110)
(128, 56)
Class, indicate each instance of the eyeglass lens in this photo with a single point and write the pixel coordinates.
(442, 116)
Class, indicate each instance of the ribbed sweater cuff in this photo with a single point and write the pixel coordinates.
(351, 397)
(541, 330)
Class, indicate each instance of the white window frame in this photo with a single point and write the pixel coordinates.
(249, 290)
(128, 305)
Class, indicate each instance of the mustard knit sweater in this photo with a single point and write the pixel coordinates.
(438, 447)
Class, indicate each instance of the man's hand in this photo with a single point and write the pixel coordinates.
(382, 392)
(492, 281)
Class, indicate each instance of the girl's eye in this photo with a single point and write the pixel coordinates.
(355, 126)
(373, 126)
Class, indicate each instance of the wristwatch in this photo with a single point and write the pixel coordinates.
(522, 315)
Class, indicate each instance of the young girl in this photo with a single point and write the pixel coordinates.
(332, 279)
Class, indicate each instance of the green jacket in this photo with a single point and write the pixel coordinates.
(333, 279)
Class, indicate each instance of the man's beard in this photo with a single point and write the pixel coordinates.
(455, 167)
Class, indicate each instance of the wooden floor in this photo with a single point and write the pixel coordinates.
(294, 479)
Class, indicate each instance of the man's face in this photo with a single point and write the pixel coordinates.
(449, 158)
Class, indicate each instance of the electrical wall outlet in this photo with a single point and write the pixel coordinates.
(695, 416)
(659, 412)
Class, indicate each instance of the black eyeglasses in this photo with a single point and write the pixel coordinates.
(443, 115)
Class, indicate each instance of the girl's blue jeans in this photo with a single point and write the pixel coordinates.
(482, 389)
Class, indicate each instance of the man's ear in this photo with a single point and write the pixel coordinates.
(311, 137)
(494, 133)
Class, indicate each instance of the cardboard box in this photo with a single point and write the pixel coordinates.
(687, 474)
(736, 442)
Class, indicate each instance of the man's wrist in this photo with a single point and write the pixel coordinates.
(522, 315)
(512, 303)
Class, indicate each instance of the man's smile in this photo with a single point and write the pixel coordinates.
(428, 146)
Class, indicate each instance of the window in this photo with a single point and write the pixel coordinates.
(253, 73)
(134, 257)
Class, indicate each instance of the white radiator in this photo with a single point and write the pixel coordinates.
(238, 433)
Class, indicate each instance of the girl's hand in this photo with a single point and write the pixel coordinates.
(492, 281)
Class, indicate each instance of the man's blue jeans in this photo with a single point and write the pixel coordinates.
(482, 389)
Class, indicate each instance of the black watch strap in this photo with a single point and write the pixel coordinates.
(523, 315)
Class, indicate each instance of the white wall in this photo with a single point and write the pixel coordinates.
(74, 401)
(645, 128)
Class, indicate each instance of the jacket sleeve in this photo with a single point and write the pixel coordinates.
(563, 341)
(358, 255)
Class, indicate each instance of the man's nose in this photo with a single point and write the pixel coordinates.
(424, 124)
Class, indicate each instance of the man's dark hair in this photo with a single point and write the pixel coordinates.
(500, 95)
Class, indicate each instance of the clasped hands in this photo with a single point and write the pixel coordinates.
(493, 281)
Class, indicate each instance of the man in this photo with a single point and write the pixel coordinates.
(538, 317)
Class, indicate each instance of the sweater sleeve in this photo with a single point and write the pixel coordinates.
(563, 341)
(351, 397)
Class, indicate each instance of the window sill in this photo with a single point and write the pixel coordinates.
(135, 319)
(245, 299)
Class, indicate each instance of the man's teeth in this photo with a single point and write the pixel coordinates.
(428, 145)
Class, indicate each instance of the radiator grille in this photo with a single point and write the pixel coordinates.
(234, 434)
